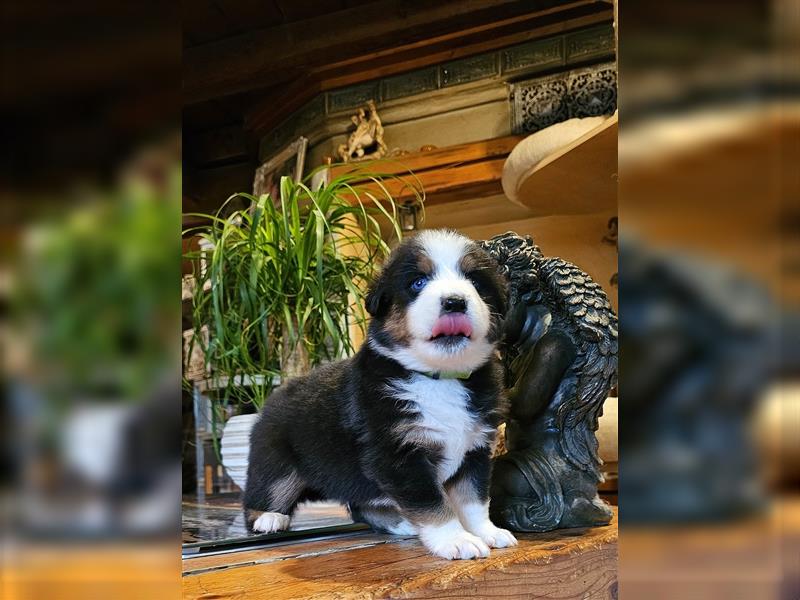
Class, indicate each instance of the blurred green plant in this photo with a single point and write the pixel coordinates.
(284, 279)
(95, 292)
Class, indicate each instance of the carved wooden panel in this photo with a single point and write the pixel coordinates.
(541, 102)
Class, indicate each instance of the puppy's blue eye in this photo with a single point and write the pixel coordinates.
(419, 283)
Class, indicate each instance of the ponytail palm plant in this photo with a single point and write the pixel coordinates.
(283, 282)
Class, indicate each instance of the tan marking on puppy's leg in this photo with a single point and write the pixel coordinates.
(251, 515)
(384, 502)
(285, 491)
(386, 517)
(474, 515)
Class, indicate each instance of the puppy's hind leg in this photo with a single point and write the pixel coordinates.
(270, 498)
(385, 519)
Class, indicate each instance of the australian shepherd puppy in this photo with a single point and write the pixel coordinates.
(403, 431)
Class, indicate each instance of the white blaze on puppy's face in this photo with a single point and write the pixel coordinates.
(445, 250)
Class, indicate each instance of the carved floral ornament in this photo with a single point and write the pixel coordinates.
(541, 102)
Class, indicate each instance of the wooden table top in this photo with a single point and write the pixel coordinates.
(569, 563)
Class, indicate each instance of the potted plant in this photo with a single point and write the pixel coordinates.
(281, 286)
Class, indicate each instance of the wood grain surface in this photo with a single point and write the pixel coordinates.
(472, 170)
(580, 178)
(574, 563)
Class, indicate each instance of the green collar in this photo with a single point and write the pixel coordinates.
(446, 374)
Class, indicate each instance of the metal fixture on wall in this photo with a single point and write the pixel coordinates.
(612, 237)
(408, 216)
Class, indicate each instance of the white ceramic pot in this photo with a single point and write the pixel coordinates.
(235, 446)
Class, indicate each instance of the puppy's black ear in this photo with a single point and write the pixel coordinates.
(498, 297)
(377, 301)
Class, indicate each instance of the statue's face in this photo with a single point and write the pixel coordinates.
(438, 304)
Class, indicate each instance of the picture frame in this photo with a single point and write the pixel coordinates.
(290, 161)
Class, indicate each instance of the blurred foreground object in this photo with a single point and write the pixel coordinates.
(94, 368)
(755, 558)
(697, 351)
(561, 363)
(94, 571)
(708, 285)
(88, 288)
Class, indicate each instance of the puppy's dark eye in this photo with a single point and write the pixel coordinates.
(419, 283)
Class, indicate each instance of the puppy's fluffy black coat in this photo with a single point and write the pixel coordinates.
(403, 431)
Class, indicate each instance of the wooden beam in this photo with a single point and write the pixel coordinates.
(216, 146)
(439, 157)
(268, 56)
(448, 184)
(460, 172)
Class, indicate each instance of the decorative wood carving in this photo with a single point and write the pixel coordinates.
(541, 102)
(366, 142)
(303, 105)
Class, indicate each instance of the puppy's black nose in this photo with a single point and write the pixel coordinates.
(454, 304)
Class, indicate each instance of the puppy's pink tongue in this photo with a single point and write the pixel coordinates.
(452, 324)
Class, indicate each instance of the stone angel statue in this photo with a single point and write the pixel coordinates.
(560, 356)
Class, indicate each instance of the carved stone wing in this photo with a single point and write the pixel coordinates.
(581, 305)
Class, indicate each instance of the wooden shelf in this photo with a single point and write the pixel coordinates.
(579, 178)
(465, 171)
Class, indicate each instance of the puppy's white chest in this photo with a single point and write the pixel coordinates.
(442, 419)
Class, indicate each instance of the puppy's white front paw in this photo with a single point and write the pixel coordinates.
(495, 537)
(462, 546)
(452, 541)
(270, 522)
